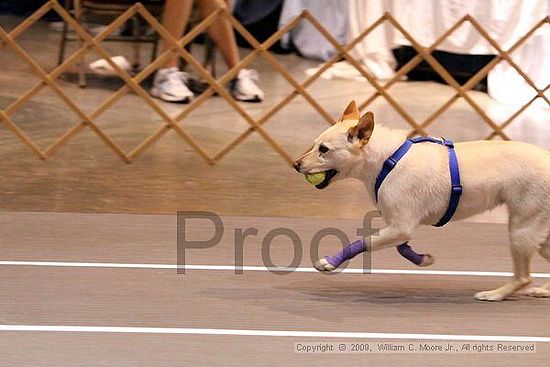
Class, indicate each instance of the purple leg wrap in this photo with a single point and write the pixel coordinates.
(408, 253)
(357, 247)
(347, 253)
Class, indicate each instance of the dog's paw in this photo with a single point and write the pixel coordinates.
(323, 266)
(427, 260)
(489, 296)
(537, 292)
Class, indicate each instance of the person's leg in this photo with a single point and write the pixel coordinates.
(174, 19)
(221, 31)
(243, 87)
(169, 83)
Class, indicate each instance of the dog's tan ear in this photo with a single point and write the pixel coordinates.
(350, 113)
(363, 130)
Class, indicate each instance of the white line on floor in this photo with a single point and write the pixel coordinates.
(262, 268)
(275, 333)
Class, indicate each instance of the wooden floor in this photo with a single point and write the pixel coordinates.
(144, 296)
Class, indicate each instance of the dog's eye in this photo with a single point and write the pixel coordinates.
(323, 149)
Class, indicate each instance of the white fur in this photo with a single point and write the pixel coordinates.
(417, 190)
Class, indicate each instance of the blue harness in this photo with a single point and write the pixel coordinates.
(456, 190)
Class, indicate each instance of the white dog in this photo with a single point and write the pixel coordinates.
(417, 190)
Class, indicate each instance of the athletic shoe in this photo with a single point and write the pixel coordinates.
(244, 88)
(169, 85)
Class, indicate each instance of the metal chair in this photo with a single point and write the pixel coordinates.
(112, 8)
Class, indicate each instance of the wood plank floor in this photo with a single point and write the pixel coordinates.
(432, 304)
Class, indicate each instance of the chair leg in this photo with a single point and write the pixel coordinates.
(82, 61)
(213, 63)
(155, 47)
(63, 44)
(136, 44)
(210, 55)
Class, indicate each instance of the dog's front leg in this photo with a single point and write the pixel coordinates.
(387, 237)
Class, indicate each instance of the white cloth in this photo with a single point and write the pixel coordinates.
(332, 14)
(504, 20)
(374, 51)
(507, 86)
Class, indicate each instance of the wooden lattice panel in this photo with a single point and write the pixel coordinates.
(216, 86)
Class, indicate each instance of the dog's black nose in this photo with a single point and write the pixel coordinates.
(297, 165)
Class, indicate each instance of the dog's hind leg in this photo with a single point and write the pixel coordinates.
(521, 258)
(542, 291)
(525, 237)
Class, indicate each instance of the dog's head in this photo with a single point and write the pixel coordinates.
(337, 150)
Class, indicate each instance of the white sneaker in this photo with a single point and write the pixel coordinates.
(169, 85)
(244, 89)
(102, 67)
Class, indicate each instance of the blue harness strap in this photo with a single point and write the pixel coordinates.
(456, 188)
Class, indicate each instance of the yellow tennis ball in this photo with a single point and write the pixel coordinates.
(315, 178)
